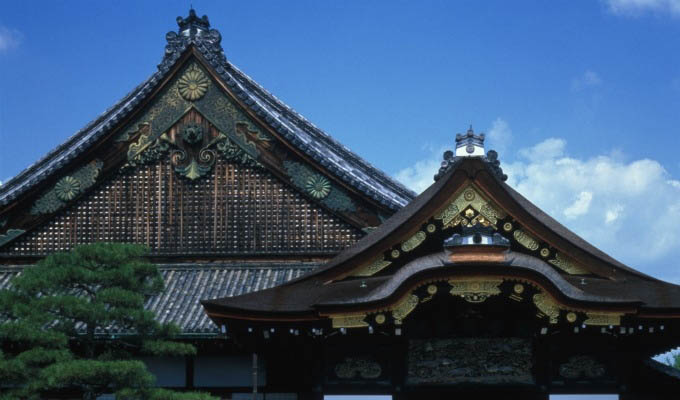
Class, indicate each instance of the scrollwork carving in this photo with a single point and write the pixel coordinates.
(582, 366)
(473, 360)
(475, 291)
(358, 367)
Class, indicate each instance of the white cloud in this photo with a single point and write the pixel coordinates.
(580, 206)
(588, 79)
(499, 136)
(421, 175)
(629, 209)
(636, 7)
(9, 39)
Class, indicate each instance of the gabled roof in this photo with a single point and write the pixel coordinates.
(509, 241)
(195, 35)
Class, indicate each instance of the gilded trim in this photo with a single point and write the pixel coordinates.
(567, 265)
(404, 308)
(349, 321)
(374, 267)
(475, 291)
(414, 241)
(470, 197)
(525, 239)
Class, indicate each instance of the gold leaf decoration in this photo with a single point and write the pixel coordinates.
(448, 214)
(491, 214)
(414, 241)
(475, 291)
(567, 266)
(193, 84)
(467, 201)
(525, 240)
(374, 267)
(349, 321)
(603, 319)
(404, 308)
(547, 305)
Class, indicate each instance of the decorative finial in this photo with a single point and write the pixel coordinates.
(470, 145)
(192, 25)
(193, 31)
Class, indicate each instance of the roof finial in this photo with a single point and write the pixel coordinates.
(193, 25)
(469, 145)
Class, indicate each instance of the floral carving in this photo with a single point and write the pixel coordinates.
(301, 175)
(67, 188)
(318, 186)
(192, 133)
(193, 84)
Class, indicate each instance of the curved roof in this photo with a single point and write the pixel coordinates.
(604, 281)
(301, 134)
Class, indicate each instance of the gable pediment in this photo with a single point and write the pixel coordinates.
(190, 125)
(468, 207)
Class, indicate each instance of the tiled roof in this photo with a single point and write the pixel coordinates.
(186, 284)
(303, 135)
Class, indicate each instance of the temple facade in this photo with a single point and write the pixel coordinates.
(298, 269)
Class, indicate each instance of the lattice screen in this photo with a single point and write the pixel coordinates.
(236, 210)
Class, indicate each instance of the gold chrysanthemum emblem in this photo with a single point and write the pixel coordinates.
(318, 186)
(67, 188)
(193, 84)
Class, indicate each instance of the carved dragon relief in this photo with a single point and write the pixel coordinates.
(478, 290)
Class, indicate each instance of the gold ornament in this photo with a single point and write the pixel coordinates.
(414, 241)
(525, 240)
(380, 319)
(545, 252)
(571, 317)
(507, 227)
(193, 84)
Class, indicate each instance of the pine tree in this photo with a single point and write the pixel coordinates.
(58, 319)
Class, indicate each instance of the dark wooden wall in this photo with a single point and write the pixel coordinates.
(233, 210)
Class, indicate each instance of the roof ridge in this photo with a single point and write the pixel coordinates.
(328, 152)
(397, 185)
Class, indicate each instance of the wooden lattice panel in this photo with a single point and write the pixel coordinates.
(233, 210)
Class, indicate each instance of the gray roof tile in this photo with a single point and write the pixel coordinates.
(187, 284)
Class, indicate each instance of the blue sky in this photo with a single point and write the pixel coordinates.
(581, 98)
